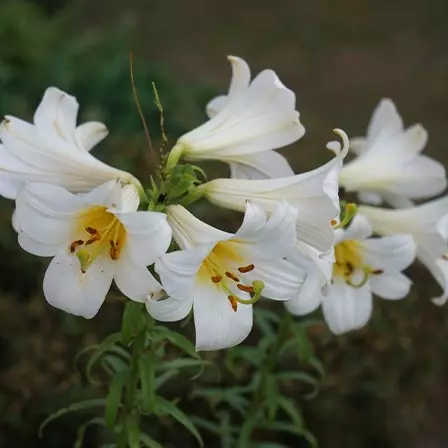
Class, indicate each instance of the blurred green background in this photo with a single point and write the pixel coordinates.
(386, 385)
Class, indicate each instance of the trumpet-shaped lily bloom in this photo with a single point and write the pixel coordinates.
(261, 165)
(389, 165)
(428, 224)
(220, 275)
(256, 116)
(94, 238)
(314, 194)
(362, 266)
(53, 150)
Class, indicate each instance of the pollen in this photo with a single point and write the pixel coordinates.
(232, 276)
(216, 278)
(245, 288)
(75, 244)
(245, 269)
(233, 302)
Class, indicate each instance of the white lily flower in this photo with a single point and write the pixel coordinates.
(314, 194)
(428, 224)
(53, 150)
(254, 117)
(220, 275)
(94, 238)
(389, 165)
(261, 165)
(362, 266)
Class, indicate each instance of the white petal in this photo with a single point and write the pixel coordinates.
(148, 235)
(390, 286)
(390, 253)
(67, 288)
(347, 308)
(170, 309)
(57, 113)
(135, 281)
(282, 279)
(359, 229)
(177, 270)
(107, 194)
(385, 119)
(240, 82)
(35, 247)
(309, 298)
(217, 325)
(47, 213)
(189, 231)
(267, 240)
(370, 197)
(90, 134)
(264, 165)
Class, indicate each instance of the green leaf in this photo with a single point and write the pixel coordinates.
(184, 363)
(113, 364)
(304, 347)
(132, 317)
(102, 348)
(272, 396)
(74, 407)
(113, 399)
(178, 340)
(146, 366)
(289, 407)
(133, 431)
(164, 377)
(149, 442)
(82, 430)
(168, 408)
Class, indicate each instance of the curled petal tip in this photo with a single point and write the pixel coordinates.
(439, 301)
(336, 147)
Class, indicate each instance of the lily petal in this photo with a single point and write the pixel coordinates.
(390, 286)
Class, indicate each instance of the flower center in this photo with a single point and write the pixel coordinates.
(98, 231)
(349, 262)
(225, 268)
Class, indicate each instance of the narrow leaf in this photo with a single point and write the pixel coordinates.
(149, 442)
(113, 399)
(131, 319)
(82, 430)
(167, 407)
(74, 407)
(146, 368)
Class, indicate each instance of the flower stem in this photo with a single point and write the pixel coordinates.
(259, 394)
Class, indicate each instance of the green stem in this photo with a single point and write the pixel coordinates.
(130, 410)
(259, 394)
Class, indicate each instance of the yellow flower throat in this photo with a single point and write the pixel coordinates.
(219, 268)
(349, 261)
(98, 232)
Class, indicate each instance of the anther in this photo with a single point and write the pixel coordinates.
(113, 250)
(216, 278)
(75, 244)
(245, 288)
(232, 276)
(248, 268)
(233, 302)
(95, 237)
(91, 230)
(377, 272)
(333, 222)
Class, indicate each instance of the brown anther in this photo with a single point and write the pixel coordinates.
(445, 256)
(245, 288)
(233, 302)
(232, 276)
(377, 272)
(333, 222)
(248, 268)
(216, 278)
(75, 244)
(349, 269)
(91, 230)
(113, 250)
(94, 238)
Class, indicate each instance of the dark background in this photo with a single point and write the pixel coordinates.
(386, 385)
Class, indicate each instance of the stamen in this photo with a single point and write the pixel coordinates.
(233, 302)
(75, 244)
(113, 251)
(232, 276)
(333, 222)
(348, 213)
(377, 272)
(91, 230)
(258, 287)
(216, 278)
(95, 237)
(246, 288)
(248, 268)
